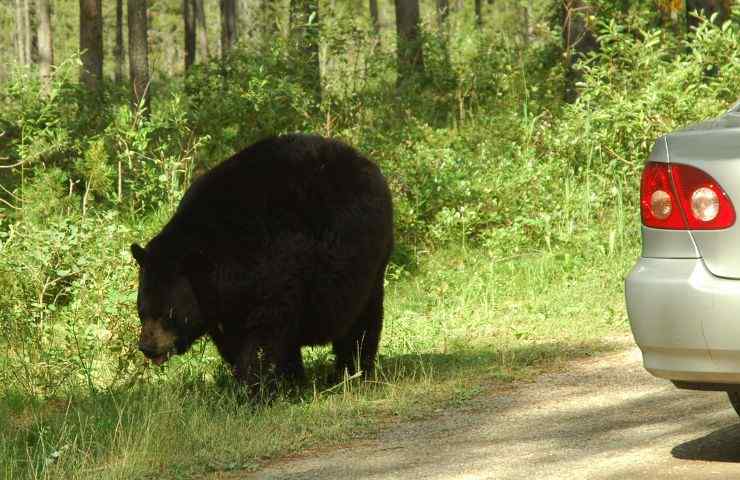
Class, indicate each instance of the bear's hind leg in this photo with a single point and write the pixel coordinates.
(360, 345)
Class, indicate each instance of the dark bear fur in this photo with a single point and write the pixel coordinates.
(285, 244)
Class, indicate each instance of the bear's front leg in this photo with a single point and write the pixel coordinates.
(264, 363)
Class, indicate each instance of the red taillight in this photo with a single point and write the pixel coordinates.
(680, 197)
(660, 208)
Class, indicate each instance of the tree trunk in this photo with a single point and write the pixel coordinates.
(479, 13)
(20, 35)
(304, 36)
(138, 53)
(375, 16)
(188, 16)
(228, 25)
(201, 30)
(118, 48)
(409, 48)
(91, 44)
(443, 11)
(46, 49)
(526, 24)
(27, 32)
(578, 41)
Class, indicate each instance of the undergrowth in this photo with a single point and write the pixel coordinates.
(464, 322)
(516, 218)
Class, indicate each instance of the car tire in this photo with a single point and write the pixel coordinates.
(734, 400)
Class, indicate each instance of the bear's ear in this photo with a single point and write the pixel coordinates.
(139, 254)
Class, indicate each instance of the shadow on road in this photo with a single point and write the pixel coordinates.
(722, 445)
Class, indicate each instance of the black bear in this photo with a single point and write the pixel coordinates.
(285, 244)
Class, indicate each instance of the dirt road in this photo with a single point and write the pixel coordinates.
(601, 418)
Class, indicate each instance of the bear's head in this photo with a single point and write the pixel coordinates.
(171, 318)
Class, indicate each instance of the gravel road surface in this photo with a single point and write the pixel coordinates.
(599, 418)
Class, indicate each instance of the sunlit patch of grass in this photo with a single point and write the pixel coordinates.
(463, 320)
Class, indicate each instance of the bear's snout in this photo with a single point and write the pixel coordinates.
(155, 340)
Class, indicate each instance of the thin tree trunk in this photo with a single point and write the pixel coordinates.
(479, 13)
(201, 30)
(228, 25)
(525, 25)
(375, 16)
(27, 31)
(409, 48)
(188, 16)
(578, 41)
(443, 12)
(91, 44)
(304, 34)
(20, 35)
(138, 53)
(46, 49)
(118, 49)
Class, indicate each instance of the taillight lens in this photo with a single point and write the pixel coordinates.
(704, 204)
(679, 197)
(703, 201)
(659, 205)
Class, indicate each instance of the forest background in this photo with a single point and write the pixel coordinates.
(512, 133)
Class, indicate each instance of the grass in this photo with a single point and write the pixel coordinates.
(461, 320)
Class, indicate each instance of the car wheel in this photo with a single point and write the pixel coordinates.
(734, 400)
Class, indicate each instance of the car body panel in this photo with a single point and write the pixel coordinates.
(659, 153)
(660, 243)
(714, 147)
(685, 320)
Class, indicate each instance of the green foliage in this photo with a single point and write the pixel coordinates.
(45, 195)
(246, 97)
(639, 86)
(482, 157)
(60, 271)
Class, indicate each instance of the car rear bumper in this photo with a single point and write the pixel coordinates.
(685, 320)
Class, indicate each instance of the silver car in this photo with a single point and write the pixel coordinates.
(683, 295)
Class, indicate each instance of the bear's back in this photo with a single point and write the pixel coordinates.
(291, 168)
(299, 183)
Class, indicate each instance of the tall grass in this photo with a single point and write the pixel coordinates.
(464, 321)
